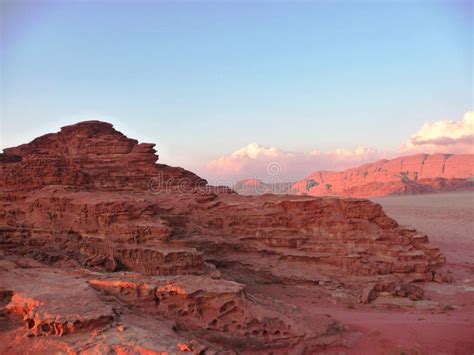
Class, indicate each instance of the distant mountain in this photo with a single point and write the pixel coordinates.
(258, 187)
(421, 173)
(414, 174)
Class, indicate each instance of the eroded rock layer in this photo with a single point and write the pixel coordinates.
(89, 154)
(166, 260)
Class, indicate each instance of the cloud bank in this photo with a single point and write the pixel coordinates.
(272, 164)
(443, 137)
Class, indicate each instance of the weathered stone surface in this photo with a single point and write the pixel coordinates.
(368, 294)
(216, 309)
(47, 310)
(421, 173)
(92, 154)
(158, 244)
(411, 291)
(51, 303)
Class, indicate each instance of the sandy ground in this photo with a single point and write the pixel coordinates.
(447, 218)
(443, 323)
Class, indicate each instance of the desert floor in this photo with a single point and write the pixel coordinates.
(442, 323)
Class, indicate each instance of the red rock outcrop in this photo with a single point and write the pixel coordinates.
(161, 249)
(88, 154)
(421, 173)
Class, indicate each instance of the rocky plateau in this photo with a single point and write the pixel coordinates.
(103, 250)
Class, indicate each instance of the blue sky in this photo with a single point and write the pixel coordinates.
(202, 79)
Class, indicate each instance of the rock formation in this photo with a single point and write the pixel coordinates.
(91, 154)
(421, 173)
(103, 250)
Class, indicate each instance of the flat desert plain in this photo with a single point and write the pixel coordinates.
(442, 323)
(447, 218)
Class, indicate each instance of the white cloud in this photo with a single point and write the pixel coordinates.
(274, 164)
(443, 137)
(257, 161)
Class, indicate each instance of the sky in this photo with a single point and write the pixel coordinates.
(226, 87)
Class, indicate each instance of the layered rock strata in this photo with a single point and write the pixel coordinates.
(88, 209)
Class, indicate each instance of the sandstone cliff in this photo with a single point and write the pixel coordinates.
(115, 253)
(421, 173)
(88, 154)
